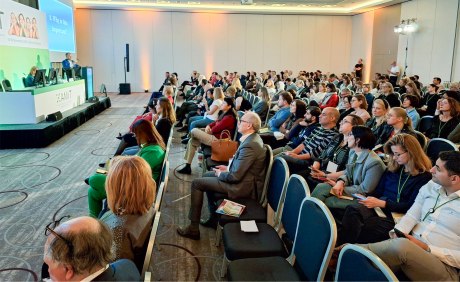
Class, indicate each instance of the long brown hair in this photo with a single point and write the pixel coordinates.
(146, 132)
(418, 160)
(167, 109)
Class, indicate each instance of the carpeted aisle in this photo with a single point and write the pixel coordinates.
(42, 185)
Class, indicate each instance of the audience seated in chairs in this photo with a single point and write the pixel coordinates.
(331, 99)
(299, 158)
(430, 249)
(430, 101)
(261, 108)
(308, 125)
(389, 95)
(151, 149)
(80, 249)
(410, 102)
(211, 112)
(362, 173)
(332, 161)
(447, 120)
(191, 103)
(130, 197)
(290, 128)
(243, 178)
(283, 113)
(408, 170)
(359, 105)
(380, 109)
(225, 121)
(397, 122)
(161, 113)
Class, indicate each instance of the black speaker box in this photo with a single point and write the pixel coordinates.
(54, 116)
(125, 88)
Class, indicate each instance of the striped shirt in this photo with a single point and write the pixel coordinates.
(318, 140)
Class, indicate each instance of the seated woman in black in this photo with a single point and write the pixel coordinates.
(290, 128)
(397, 122)
(408, 170)
(379, 115)
(332, 162)
(444, 123)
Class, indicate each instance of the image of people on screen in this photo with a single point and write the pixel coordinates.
(30, 78)
(14, 25)
(23, 26)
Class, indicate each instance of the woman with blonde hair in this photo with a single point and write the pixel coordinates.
(408, 170)
(397, 122)
(380, 109)
(270, 88)
(359, 105)
(130, 198)
(389, 95)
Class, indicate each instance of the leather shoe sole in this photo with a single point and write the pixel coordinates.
(187, 233)
(210, 223)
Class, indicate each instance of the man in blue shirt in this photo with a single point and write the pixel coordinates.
(283, 113)
(68, 63)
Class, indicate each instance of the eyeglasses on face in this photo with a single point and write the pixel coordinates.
(49, 229)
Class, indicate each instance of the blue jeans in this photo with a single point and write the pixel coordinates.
(199, 122)
(130, 151)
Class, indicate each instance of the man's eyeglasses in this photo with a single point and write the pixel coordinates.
(242, 120)
(49, 229)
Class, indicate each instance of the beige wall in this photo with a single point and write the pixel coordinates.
(182, 42)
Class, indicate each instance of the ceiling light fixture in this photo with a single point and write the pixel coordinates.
(406, 26)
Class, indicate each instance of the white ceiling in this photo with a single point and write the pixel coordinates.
(327, 7)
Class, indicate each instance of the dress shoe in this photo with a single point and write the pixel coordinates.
(185, 170)
(185, 141)
(179, 124)
(102, 165)
(211, 222)
(187, 232)
(87, 181)
(183, 129)
(184, 137)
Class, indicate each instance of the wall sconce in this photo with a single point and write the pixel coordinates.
(406, 26)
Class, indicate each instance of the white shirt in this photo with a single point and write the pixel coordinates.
(213, 116)
(318, 97)
(441, 229)
(394, 70)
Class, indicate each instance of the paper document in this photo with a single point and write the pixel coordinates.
(249, 226)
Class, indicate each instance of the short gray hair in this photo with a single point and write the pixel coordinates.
(254, 119)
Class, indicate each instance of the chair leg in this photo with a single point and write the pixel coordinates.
(223, 270)
(218, 235)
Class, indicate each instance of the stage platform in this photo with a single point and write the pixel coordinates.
(18, 136)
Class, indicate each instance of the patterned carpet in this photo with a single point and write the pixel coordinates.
(41, 185)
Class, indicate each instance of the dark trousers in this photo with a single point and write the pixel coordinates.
(363, 225)
(393, 80)
(210, 184)
(184, 109)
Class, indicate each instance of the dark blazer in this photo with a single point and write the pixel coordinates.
(120, 270)
(392, 100)
(246, 175)
(163, 126)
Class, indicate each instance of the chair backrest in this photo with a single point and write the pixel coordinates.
(159, 196)
(279, 176)
(1, 88)
(296, 191)
(425, 123)
(268, 171)
(165, 173)
(153, 234)
(6, 85)
(421, 139)
(315, 239)
(437, 145)
(358, 264)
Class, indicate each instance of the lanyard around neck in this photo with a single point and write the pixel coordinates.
(434, 208)
(400, 188)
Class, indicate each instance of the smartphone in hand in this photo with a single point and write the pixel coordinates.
(359, 197)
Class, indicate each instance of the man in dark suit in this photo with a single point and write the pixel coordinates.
(81, 249)
(243, 178)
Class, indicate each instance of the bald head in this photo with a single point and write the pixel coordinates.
(249, 122)
(79, 224)
(329, 117)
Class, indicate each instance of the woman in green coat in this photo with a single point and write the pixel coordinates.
(151, 149)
